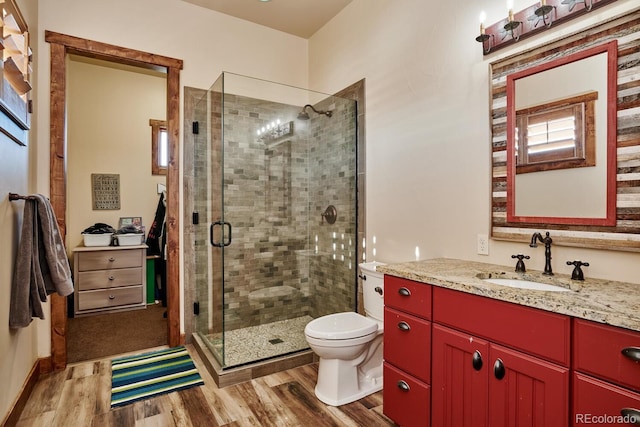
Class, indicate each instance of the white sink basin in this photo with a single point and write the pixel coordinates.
(527, 284)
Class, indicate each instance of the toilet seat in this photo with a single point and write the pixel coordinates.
(341, 326)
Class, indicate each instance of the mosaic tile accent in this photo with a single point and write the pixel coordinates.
(260, 342)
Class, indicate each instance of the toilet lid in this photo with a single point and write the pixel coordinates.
(341, 326)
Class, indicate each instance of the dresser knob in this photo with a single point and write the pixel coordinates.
(112, 278)
(112, 259)
(112, 297)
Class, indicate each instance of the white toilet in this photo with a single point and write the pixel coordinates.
(349, 345)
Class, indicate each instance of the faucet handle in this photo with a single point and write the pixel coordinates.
(577, 273)
(520, 268)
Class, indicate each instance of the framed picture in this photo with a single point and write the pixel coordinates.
(125, 221)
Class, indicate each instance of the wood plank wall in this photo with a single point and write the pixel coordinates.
(625, 235)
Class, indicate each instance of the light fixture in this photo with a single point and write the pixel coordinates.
(588, 4)
(485, 39)
(494, 37)
(543, 12)
(512, 26)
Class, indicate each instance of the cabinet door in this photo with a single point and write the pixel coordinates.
(526, 391)
(601, 403)
(459, 379)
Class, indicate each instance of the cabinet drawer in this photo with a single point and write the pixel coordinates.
(406, 399)
(100, 279)
(108, 259)
(537, 332)
(594, 399)
(598, 350)
(407, 343)
(408, 296)
(107, 298)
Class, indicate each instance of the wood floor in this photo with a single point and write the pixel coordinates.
(80, 396)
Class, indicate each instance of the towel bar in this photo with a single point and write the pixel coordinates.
(15, 196)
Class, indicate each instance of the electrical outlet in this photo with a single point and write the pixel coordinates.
(483, 244)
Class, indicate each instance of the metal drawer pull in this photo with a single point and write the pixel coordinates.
(402, 385)
(378, 290)
(112, 259)
(404, 292)
(632, 415)
(477, 360)
(404, 326)
(112, 297)
(632, 353)
(112, 278)
(498, 369)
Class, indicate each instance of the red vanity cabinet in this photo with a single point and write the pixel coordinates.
(523, 376)
(606, 381)
(407, 351)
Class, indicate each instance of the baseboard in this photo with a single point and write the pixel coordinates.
(42, 366)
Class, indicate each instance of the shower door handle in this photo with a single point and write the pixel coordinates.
(219, 244)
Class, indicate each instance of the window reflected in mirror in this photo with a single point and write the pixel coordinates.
(556, 135)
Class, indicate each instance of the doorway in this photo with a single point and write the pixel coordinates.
(61, 46)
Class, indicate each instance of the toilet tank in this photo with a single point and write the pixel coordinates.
(372, 287)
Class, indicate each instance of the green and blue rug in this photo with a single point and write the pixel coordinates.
(146, 375)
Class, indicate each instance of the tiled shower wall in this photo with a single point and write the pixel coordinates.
(274, 196)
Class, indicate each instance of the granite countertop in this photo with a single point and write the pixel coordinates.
(604, 301)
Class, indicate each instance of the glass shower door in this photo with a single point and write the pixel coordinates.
(268, 261)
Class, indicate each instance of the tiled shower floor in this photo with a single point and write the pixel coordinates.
(261, 342)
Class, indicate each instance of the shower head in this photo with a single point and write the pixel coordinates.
(303, 115)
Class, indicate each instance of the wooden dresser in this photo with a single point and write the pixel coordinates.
(109, 278)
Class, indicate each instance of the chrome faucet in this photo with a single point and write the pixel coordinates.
(547, 250)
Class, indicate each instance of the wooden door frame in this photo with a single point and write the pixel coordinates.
(61, 45)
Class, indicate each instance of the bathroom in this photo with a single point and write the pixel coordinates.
(428, 156)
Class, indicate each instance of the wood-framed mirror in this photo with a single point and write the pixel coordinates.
(561, 140)
(617, 225)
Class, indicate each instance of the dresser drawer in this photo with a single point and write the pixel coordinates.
(406, 399)
(108, 259)
(598, 350)
(407, 343)
(100, 279)
(109, 298)
(594, 400)
(538, 332)
(408, 296)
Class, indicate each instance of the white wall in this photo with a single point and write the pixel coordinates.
(428, 134)
(108, 132)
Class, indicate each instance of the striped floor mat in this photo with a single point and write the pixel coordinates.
(145, 375)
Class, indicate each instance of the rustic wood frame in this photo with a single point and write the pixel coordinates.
(61, 45)
(624, 234)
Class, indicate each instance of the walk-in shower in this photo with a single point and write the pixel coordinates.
(267, 258)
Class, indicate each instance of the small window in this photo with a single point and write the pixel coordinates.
(557, 135)
(159, 147)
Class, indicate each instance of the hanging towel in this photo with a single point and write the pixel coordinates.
(42, 266)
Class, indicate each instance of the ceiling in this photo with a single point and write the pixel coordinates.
(298, 17)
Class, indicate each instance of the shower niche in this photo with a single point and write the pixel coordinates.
(268, 159)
